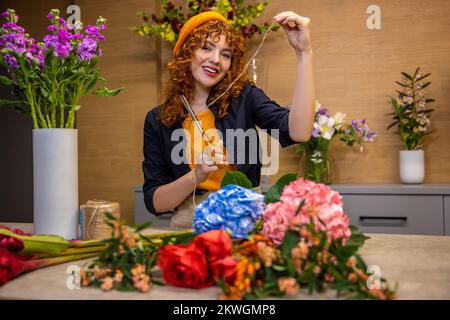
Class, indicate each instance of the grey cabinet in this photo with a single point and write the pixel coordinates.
(398, 209)
(447, 215)
(400, 214)
(374, 208)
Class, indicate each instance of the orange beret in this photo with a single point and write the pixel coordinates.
(195, 22)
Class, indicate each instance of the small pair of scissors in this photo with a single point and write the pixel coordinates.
(199, 126)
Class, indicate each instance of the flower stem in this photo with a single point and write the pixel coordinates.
(38, 110)
(33, 107)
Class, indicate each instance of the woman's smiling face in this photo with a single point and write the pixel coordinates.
(211, 62)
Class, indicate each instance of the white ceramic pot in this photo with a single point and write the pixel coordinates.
(412, 166)
(55, 182)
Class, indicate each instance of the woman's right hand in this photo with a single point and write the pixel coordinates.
(210, 158)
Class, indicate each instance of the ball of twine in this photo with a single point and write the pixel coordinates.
(92, 219)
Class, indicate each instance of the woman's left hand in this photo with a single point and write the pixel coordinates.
(297, 30)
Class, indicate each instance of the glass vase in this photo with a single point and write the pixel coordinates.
(316, 163)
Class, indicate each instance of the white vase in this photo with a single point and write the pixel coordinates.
(412, 166)
(55, 182)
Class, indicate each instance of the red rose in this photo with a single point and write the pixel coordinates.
(184, 266)
(225, 269)
(216, 244)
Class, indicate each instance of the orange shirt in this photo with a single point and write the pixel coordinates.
(196, 145)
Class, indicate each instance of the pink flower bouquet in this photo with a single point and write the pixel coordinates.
(321, 204)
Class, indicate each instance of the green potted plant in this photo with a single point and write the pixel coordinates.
(410, 117)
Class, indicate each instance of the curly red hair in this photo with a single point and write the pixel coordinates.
(181, 79)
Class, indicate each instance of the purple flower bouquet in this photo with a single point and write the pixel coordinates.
(49, 77)
(325, 128)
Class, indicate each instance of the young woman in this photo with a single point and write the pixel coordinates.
(207, 58)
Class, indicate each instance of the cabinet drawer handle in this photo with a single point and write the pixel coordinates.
(383, 220)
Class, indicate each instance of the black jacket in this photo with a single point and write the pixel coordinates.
(253, 108)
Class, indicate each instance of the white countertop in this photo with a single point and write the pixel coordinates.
(420, 264)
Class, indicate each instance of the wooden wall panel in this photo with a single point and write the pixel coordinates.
(355, 69)
(111, 129)
(16, 154)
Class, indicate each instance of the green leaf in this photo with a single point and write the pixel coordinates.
(44, 92)
(423, 77)
(357, 238)
(259, 225)
(392, 124)
(143, 226)
(105, 92)
(182, 239)
(6, 102)
(300, 207)
(124, 260)
(278, 268)
(109, 216)
(401, 84)
(42, 244)
(274, 193)
(407, 76)
(6, 81)
(222, 284)
(291, 239)
(335, 273)
(91, 81)
(290, 268)
(93, 61)
(426, 85)
(236, 178)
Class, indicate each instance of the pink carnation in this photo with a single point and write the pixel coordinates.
(319, 198)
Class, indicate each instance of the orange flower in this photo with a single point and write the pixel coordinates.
(142, 282)
(317, 270)
(266, 253)
(351, 263)
(107, 284)
(118, 276)
(100, 273)
(138, 269)
(352, 277)
(288, 285)
(85, 278)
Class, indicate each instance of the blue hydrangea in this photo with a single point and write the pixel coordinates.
(234, 208)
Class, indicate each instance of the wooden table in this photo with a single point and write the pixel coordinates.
(420, 264)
